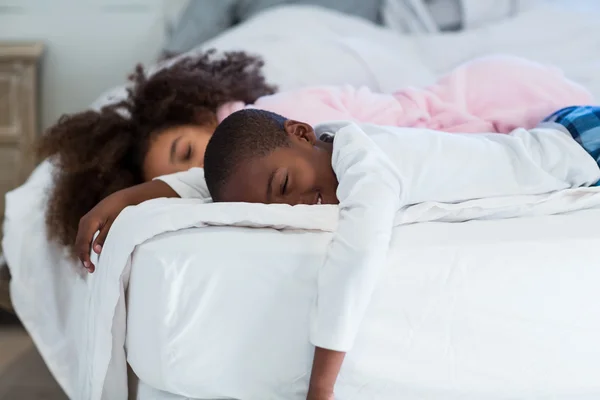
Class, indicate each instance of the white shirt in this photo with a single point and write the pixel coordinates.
(382, 169)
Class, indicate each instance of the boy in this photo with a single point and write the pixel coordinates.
(372, 172)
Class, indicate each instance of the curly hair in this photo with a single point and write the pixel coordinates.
(96, 153)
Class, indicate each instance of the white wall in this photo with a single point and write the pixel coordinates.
(92, 45)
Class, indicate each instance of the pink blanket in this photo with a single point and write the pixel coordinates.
(491, 94)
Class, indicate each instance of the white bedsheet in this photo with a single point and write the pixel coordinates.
(275, 376)
(48, 289)
(500, 309)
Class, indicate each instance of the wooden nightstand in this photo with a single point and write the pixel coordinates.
(18, 122)
(5, 303)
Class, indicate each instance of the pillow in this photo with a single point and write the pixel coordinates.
(367, 9)
(430, 16)
(369, 53)
(204, 19)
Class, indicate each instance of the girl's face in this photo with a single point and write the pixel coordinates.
(177, 149)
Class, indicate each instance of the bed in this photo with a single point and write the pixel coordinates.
(501, 309)
(460, 335)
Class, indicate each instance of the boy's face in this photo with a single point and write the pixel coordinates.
(299, 174)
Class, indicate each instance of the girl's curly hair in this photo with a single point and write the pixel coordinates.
(96, 153)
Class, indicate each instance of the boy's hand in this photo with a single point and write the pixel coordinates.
(101, 217)
(316, 395)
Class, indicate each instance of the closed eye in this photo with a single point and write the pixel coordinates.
(188, 153)
(285, 184)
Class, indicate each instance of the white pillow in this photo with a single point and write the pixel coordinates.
(336, 49)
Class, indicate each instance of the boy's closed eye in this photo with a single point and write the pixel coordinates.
(278, 184)
(284, 186)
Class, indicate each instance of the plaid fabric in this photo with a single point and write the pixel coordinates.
(326, 137)
(583, 123)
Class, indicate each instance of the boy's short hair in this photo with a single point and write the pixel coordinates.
(242, 136)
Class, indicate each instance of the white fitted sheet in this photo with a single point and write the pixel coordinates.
(484, 309)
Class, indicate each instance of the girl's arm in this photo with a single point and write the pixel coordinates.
(101, 217)
(186, 184)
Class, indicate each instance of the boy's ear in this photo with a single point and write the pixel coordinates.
(301, 131)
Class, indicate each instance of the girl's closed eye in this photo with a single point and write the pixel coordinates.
(188, 153)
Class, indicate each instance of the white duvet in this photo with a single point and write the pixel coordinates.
(494, 309)
(105, 378)
(50, 293)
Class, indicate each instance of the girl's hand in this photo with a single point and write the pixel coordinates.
(101, 217)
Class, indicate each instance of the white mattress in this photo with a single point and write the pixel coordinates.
(485, 309)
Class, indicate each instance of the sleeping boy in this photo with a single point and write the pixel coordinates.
(372, 172)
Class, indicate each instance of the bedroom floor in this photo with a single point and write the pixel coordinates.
(23, 374)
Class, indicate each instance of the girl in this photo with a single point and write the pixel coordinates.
(161, 127)
(167, 119)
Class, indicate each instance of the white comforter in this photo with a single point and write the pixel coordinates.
(495, 309)
(104, 377)
(49, 291)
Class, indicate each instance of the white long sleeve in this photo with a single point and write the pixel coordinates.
(381, 169)
(448, 168)
(188, 184)
(368, 204)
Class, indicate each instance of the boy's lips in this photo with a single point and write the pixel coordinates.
(318, 199)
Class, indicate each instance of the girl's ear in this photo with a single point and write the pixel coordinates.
(301, 131)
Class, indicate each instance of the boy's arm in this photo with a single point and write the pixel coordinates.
(369, 194)
(326, 367)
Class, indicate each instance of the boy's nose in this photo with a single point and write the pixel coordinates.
(309, 198)
(293, 199)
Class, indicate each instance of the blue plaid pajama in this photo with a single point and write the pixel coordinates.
(583, 123)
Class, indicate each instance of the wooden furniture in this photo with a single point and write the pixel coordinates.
(5, 303)
(18, 124)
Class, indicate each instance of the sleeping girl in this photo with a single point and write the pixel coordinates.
(164, 124)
